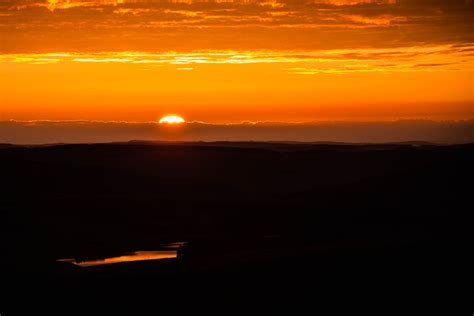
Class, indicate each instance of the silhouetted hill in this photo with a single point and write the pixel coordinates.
(272, 210)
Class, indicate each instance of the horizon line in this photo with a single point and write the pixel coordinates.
(413, 143)
(243, 122)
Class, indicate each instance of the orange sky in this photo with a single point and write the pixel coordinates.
(230, 61)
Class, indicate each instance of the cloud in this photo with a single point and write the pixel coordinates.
(436, 58)
(41, 132)
(73, 25)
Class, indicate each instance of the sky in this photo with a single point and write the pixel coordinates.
(229, 61)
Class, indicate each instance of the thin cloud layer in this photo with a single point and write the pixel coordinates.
(438, 58)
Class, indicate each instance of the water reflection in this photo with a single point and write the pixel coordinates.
(168, 251)
(133, 256)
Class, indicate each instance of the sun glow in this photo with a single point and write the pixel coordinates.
(172, 119)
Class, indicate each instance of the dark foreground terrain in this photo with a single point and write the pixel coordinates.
(259, 217)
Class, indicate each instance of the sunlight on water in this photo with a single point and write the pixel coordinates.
(170, 252)
(134, 256)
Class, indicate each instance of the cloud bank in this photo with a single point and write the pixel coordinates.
(46, 132)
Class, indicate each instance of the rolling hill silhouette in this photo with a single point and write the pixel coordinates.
(325, 213)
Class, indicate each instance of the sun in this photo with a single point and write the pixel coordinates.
(172, 119)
